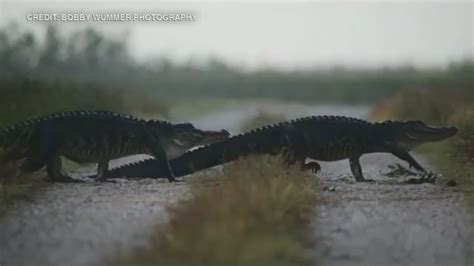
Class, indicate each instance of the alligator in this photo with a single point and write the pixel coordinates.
(321, 138)
(97, 136)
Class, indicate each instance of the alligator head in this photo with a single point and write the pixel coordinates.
(178, 138)
(409, 134)
(186, 135)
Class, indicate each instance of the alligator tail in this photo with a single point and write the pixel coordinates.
(265, 140)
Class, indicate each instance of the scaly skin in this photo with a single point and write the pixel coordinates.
(97, 136)
(323, 138)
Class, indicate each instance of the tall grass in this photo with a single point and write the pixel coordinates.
(256, 212)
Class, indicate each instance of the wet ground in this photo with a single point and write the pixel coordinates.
(358, 224)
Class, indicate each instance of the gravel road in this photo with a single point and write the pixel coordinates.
(389, 223)
(83, 224)
(358, 224)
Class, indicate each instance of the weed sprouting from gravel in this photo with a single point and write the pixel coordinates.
(398, 170)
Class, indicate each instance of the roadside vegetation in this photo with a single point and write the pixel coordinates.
(256, 212)
(18, 189)
(55, 70)
(88, 59)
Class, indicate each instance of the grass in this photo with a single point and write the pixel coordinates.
(445, 157)
(20, 189)
(256, 212)
(23, 187)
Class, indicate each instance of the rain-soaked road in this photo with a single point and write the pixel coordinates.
(358, 224)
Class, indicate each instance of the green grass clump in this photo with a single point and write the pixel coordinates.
(256, 212)
(260, 119)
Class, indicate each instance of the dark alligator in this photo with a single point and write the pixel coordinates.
(97, 136)
(324, 138)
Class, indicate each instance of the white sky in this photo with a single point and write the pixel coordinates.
(287, 35)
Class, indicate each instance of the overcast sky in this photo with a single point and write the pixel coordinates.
(304, 34)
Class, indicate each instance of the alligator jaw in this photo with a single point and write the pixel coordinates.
(209, 136)
(414, 133)
(199, 137)
(431, 133)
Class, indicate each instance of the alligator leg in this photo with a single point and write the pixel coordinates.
(102, 168)
(357, 170)
(159, 153)
(291, 159)
(32, 164)
(293, 142)
(43, 151)
(313, 166)
(53, 168)
(405, 156)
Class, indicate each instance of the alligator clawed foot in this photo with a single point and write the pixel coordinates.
(313, 166)
(172, 179)
(316, 170)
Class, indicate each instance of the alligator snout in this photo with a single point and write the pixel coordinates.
(445, 131)
(431, 133)
(453, 130)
